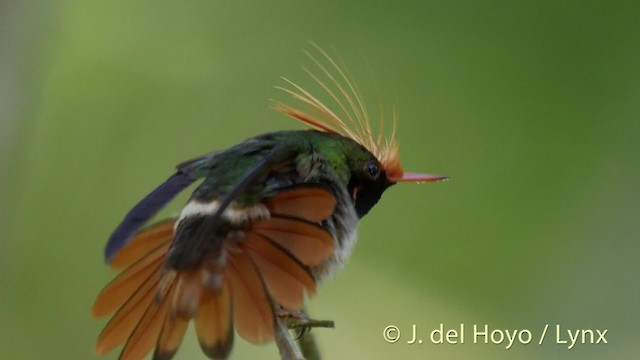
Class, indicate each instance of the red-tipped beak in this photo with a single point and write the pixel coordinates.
(418, 178)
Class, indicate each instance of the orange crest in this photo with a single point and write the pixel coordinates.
(350, 120)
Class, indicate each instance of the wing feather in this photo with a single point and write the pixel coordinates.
(145, 210)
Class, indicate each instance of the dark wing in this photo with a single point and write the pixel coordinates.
(188, 172)
(194, 234)
(143, 211)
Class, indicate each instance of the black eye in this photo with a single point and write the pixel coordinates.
(373, 169)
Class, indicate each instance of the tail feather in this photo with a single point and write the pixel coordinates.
(145, 335)
(189, 292)
(308, 242)
(309, 202)
(285, 277)
(142, 257)
(214, 325)
(252, 310)
(171, 337)
(128, 316)
(143, 243)
(119, 291)
(153, 305)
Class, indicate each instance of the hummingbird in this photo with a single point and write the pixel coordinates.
(270, 219)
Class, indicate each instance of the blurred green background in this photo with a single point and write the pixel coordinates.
(532, 107)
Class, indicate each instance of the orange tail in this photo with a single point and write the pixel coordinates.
(153, 305)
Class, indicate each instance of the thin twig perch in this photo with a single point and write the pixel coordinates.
(307, 348)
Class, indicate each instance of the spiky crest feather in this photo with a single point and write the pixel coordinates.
(337, 82)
